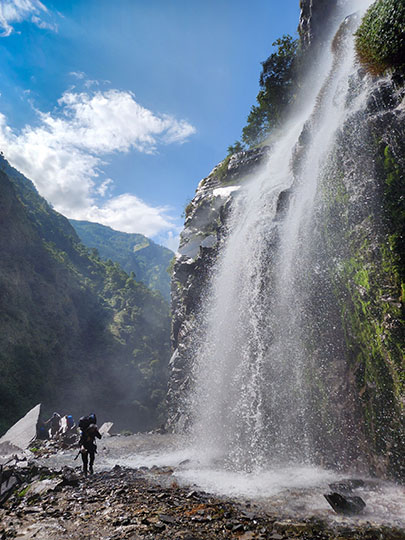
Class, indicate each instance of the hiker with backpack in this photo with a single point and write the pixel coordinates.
(88, 447)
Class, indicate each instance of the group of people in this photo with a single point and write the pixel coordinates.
(58, 426)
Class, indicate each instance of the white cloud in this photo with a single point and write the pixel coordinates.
(87, 83)
(44, 25)
(128, 213)
(113, 121)
(103, 188)
(16, 11)
(64, 155)
(78, 74)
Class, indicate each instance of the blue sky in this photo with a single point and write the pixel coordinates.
(117, 109)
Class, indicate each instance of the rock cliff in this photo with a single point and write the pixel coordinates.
(204, 230)
(314, 21)
(355, 299)
(361, 228)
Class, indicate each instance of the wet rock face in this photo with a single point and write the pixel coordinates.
(204, 230)
(366, 213)
(313, 21)
(355, 301)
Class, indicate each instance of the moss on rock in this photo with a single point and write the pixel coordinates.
(369, 283)
(380, 39)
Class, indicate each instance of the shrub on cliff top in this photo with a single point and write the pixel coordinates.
(277, 86)
(380, 39)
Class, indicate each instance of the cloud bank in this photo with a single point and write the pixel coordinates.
(64, 153)
(16, 11)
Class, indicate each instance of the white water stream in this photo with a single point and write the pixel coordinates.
(249, 404)
(252, 429)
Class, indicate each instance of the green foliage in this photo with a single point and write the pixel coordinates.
(222, 169)
(70, 321)
(187, 209)
(277, 85)
(368, 282)
(380, 39)
(134, 252)
(235, 148)
(23, 492)
(374, 337)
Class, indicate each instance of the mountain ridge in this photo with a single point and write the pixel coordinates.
(78, 333)
(133, 251)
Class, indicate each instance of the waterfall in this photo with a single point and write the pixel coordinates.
(251, 404)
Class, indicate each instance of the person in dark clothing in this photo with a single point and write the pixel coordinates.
(88, 448)
(42, 431)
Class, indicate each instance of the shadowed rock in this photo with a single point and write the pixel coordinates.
(69, 478)
(348, 505)
(7, 487)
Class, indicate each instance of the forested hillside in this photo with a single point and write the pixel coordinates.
(77, 333)
(134, 252)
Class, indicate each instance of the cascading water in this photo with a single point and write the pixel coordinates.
(251, 404)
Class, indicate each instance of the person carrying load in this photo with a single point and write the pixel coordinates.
(88, 447)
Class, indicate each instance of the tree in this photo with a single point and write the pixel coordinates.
(277, 85)
(235, 148)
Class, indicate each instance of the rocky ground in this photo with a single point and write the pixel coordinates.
(147, 503)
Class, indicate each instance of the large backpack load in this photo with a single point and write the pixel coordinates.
(86, 421)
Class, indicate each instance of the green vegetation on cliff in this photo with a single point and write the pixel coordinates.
(380, 39)
(368, 281)
(278, 83)
(134, 252)
(77, 333)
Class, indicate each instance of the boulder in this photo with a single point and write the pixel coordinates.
(23, 432)
(69, 478)
(346, 505)
(7, 487)
(7, 450)
(105, 429)
(40, 487)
